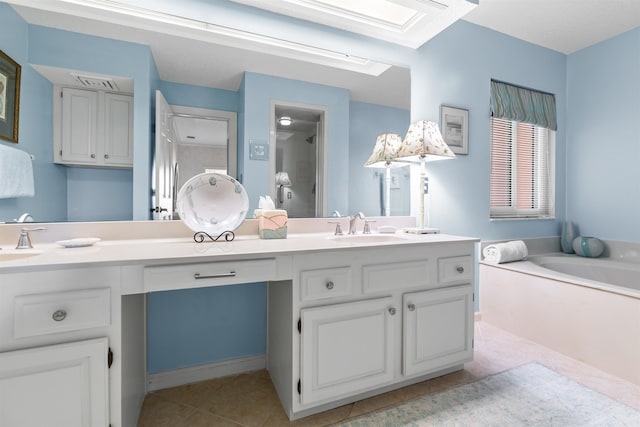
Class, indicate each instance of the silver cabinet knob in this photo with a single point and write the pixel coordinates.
(392, 311)
(460, 269)
(93, 156)
(411, 307)
(106, 156)
(59, 315)
(330, 285)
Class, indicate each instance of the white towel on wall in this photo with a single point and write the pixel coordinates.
(498, 253)
(16, 173)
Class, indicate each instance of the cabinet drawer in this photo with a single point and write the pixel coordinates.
(325, 283)
(458, 269)
(391, 276)
(40, 314)
(183, 276)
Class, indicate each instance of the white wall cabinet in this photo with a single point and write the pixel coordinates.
(93, 128)
(58, 385)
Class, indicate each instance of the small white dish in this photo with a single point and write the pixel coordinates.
(79, 242)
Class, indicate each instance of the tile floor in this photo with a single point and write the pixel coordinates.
(250, 399)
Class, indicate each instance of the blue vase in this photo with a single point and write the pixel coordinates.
(567, 236)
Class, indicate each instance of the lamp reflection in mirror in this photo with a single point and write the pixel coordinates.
(282, 180)
(423, 143)
(383, 156)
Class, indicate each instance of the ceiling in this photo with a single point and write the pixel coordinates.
(562, 25)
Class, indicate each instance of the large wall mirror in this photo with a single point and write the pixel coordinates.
(192, 73)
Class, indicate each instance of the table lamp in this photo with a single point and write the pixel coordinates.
(423, 143)
(384, 153)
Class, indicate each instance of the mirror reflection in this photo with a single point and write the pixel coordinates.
(65, 45)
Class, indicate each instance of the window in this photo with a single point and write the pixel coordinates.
(523, 124)
(521, 183)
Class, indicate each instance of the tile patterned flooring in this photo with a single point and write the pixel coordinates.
(250, 399)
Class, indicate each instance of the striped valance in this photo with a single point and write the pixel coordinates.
(523, 105)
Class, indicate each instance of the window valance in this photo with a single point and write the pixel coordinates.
(523, 105)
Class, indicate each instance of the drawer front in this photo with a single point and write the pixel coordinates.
(325, 283)
(392, 276)
(455, 270)
(184, 276)
(40, 314)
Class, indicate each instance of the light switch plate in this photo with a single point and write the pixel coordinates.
(258, 150)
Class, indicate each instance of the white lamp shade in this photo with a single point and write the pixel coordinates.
(385, 151)
(282, 178)
(424, 142)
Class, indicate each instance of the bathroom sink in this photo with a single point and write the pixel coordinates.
(13, 255)
(368, 238)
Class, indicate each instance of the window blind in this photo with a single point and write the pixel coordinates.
(523, 105)
(520, 170)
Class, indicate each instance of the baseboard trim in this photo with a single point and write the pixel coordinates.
(193, 374)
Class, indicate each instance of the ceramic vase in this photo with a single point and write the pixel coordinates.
(567, 236)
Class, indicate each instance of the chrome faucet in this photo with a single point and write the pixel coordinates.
(24, 241)
(353, 222)
(25, 217)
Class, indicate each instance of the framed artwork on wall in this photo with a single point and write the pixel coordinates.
(9, 97)
(454, 124)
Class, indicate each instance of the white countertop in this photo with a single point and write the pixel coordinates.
(113, 249)
(180, 250)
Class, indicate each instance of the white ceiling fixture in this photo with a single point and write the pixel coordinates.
(405, 22)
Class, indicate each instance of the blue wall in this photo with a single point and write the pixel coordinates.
(199, 326)
(35, 129)
(603, 144)
(366, 122)
(455, 68)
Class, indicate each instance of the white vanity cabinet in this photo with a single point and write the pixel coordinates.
(93, 128)
(358, 322)
(60, 347)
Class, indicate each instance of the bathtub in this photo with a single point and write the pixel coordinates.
(588, 309)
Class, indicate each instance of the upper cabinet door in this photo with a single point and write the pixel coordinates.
(58, 385)
(118, 130)
(79, 126)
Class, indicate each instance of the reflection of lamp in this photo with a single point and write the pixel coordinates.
(423, 143)
(282, 180)
(285, 121)
(384, 153)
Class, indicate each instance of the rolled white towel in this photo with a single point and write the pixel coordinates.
(498, 253)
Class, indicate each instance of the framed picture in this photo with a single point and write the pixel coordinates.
(454, 124)
(9, 97)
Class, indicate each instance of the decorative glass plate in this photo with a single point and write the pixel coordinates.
(213, 203)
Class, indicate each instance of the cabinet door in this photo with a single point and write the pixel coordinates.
(438, 329)
(62, 385)
(79, 126)
(118, 130)
(346, 348)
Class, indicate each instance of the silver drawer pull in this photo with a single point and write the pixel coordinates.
(59, 315)
(460, 269)
(198, 276)
(411, 307)
(392, 311)
(330, 285)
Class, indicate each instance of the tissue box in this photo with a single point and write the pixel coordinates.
(272, 223)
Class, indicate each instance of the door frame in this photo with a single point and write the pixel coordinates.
(321, 152)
